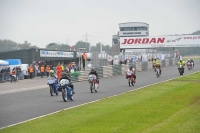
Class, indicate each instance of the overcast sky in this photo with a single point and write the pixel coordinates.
(41, 22)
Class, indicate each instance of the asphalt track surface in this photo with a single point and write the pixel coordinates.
(20, 106)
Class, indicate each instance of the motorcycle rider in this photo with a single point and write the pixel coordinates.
(64, 75)
(133, 71)
(181, 62)
(191, 60)
(154, 63)
(157, 65)
(51, 73)
(93, 71)
(68, 73)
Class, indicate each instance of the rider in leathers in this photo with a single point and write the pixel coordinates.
(95, 73)
(133, 70)
(64, 75)
(181, 63)
(154, 63)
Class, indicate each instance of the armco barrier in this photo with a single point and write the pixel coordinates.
(107, 71)
(144, 66)
(167, 62)
(116, 70)
(163, 63)
(138, 66)
(112, 70)
(150, 66)
(100, 71)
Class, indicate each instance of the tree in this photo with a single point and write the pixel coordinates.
(81, 44)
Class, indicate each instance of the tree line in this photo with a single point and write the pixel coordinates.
(8, 45)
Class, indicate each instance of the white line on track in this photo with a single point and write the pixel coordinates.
(94, 101)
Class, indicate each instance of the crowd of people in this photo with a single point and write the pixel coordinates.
(12, 75)
(35, 69)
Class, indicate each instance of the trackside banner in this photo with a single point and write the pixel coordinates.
(160, 41)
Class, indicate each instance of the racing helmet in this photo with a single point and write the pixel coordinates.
(64, 74)
(51, 72)
(92, 70)
(131, 67)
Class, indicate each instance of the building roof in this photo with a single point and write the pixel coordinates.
(133, 22)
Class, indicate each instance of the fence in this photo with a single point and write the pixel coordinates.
(96, 59)
(113, 70)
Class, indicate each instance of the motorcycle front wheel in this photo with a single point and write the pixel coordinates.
(51, 90)
(64, 96)
(91, 87)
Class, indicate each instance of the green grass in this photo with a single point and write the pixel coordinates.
(170, 107)
(191, 57)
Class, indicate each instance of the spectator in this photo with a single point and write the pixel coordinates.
(3, 75)
(84, 58)
(13, 76)
(59, 71)
(31, 71)
(36, 69)
(7, 73)
(47, 70)
(42, 71)
(18, 71)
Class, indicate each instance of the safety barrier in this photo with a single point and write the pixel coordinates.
(113, 70)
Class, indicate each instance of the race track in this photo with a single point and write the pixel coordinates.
(20, 106)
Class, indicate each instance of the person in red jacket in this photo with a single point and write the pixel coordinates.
(59, 70)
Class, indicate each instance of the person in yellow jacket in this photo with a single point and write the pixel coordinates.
(62, 67)
(181, 62)
(154, 63)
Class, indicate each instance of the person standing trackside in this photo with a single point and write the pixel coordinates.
(42, 71)
(31, 71)
(47, 70)
(84, 58)
(36, 69)
(59, 70)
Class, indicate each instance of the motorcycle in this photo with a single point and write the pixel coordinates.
(67, 92)
(157, 72)
(130, 78)
(189, 65)
(93, 83)
(181, 69)
(53, 86)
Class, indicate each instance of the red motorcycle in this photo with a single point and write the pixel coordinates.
(130, 77)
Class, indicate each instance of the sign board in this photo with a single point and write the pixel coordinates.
(160, 41)
(44, 53)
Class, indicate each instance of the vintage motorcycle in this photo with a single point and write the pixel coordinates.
(93, 83)
(53, 86)
(67, 92)
(181, 69)
(189, 65)
(130, 78)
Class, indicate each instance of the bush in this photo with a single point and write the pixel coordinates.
(75, 74)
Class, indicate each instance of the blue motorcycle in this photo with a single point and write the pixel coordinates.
(67, 92)
(53, 86)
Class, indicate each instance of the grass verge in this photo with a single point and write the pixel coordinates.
(173, 106)
(191, 57)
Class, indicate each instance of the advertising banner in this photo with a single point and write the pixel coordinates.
(160, 41)
(44, 53)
